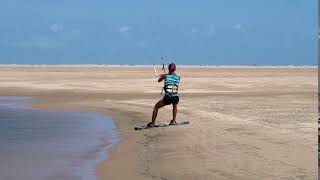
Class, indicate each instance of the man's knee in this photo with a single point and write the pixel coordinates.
(156, 107)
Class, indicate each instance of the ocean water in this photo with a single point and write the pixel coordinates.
(37, 144)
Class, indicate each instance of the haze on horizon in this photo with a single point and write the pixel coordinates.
(213, 32)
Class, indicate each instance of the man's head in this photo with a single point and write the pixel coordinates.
(171, 67)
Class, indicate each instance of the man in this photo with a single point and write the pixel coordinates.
(171, 84)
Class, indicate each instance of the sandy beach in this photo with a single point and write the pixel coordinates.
(245, 122)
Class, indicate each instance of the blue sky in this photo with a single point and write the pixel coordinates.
(216, 32)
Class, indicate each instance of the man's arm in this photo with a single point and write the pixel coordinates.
(162, 77)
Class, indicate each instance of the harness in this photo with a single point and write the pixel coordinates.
(171, 84)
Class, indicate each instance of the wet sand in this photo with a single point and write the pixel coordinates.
(246, 122)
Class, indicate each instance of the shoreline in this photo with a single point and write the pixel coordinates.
(244, 124)
(98, 151)
(116, 153)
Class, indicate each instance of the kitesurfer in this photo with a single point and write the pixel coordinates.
(171, 84)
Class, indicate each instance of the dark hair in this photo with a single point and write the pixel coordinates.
(172, 67)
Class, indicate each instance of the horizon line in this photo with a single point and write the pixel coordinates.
(151, 65)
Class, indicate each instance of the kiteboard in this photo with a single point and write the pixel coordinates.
(160, 125)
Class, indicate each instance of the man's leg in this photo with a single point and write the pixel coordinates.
(175, 103)
(174, 113)
(159, 105)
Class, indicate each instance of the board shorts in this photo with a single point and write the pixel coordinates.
(174, 100)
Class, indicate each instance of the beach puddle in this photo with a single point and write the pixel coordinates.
(42, 144)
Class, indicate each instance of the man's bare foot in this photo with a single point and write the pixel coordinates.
(150, 124)
(173, 122)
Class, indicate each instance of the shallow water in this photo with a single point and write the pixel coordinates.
(42, 144)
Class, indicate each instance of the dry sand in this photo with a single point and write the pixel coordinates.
(246, 122)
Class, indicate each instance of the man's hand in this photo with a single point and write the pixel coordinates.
(161, 77)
